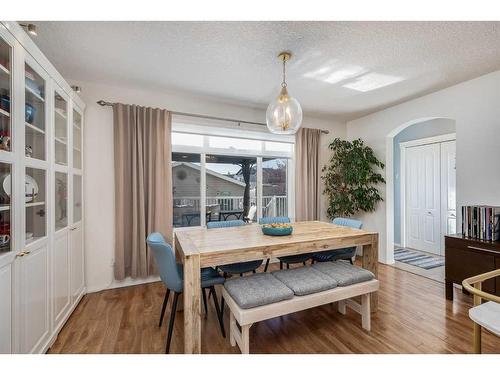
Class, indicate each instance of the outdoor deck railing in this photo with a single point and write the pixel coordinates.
(273, 205)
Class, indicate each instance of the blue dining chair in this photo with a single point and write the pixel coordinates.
(234, 268)
(339, 254)
(291, 259)
(172, 275)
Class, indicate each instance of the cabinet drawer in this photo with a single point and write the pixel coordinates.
(461, 263)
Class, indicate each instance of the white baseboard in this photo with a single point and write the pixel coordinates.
(124, 283)
(131, 282)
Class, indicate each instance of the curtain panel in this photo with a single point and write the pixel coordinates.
(307, 175)
(143, 186)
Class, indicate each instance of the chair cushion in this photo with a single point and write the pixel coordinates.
(257, 290)
(329, 255)
(344, 273)
(243, 267)
(290, 259)
(209, 276)
(305, 280)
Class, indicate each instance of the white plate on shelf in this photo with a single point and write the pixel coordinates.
(30, 187)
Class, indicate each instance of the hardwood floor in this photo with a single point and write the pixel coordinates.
(413, 317)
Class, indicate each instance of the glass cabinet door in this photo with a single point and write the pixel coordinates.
(5, 207)
(77, 140)
(34, 114)
(5, 95)
(35, 196)
(60, 130)
(77, 198)
(61, 200)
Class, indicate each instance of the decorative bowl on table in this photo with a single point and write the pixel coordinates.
(277, 229)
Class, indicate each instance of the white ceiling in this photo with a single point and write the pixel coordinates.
(331, 63)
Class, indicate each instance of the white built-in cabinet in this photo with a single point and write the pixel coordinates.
(41, 201)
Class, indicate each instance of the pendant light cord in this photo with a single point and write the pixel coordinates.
(283, 84)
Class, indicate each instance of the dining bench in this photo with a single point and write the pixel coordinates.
(263, 296)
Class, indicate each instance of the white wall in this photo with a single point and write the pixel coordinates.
(99, 175)
(475, 107)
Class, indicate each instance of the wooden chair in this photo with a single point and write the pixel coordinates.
(486, 314)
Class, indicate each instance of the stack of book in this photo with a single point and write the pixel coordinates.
(481, 222)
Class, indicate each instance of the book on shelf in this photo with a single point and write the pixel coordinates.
(481, 222)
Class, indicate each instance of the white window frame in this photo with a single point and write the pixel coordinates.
(244, 133)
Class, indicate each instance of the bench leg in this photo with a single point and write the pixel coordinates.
(232, 327)
(240, 337)
(341, 307)
(245, 339)
(365, 312)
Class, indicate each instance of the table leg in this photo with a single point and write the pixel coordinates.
(192, 308)
(370, 262)
(448, 287)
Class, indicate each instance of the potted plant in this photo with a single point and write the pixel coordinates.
(351, 179)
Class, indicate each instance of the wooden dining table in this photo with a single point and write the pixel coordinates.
(199, 248)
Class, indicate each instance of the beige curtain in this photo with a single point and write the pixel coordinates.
(307, 175)
(143, 185)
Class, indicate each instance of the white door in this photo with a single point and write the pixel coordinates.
(6, 278)
(34, 292)
(77, 262)
(61, 274)
(448, 190)
(423, 224)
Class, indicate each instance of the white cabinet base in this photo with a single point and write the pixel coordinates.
(6, 309)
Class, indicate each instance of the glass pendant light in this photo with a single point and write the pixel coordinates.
(284, 114)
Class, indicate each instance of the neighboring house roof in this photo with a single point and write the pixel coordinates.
(208, 171)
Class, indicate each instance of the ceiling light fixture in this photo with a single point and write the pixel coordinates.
(30, 28)
(284, 114)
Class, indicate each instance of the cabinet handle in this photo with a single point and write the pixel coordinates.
(74, 228)
(27, 252)
(21, 254)
(481, 249)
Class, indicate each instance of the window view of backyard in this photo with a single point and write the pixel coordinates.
(274, 187)
(231, 187)
(231, 183)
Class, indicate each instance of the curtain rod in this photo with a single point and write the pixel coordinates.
(104, 103)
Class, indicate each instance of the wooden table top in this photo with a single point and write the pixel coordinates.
(219, 241)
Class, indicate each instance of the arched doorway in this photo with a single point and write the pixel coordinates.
(391, 193)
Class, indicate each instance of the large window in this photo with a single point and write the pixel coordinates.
(219, 178)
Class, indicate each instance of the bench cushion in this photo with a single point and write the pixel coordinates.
(257, 290)
(344, 273)
(305, 280)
